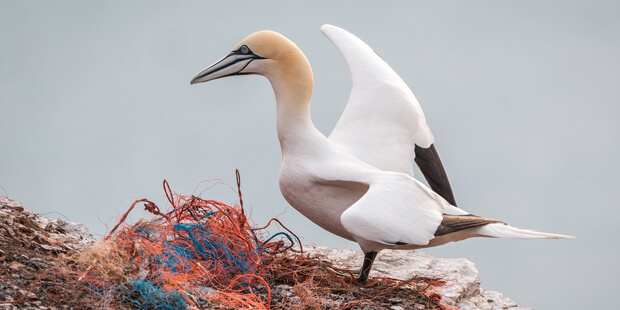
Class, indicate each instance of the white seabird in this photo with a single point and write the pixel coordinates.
(358, 183)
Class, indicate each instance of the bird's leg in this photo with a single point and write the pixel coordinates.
(369, 258)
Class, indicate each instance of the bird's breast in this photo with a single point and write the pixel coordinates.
(319, 201)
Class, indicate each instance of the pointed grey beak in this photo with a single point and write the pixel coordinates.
(231, 64)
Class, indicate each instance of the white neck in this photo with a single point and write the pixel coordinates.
(290, 75)
(293, 121)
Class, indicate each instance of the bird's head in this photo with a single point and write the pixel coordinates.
(265, 53)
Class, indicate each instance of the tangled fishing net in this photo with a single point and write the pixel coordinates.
(204, 254)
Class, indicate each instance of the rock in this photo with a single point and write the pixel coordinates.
(8, 203)
(28, 294)
(30, 242)
(16, 266)
(78, 233)
(462, 284)
(490, 300)
(55, 235)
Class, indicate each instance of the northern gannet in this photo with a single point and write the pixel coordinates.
(358, 183)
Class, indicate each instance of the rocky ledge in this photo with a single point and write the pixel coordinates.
(29, 246)
(30, 242)
(462, 284)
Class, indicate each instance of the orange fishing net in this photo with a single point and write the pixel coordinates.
(204, 254)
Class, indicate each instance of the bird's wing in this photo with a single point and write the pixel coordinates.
(382, 121)
(396, 209)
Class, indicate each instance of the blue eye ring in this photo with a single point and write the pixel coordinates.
(244, 49)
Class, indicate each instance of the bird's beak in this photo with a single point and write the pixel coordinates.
(231, 64)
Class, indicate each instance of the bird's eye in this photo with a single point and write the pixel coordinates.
(244, 49)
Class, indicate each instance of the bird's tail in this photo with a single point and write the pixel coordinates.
(500, 230)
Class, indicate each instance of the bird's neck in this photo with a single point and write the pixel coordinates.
(292, 85)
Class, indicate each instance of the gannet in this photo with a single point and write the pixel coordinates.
(358, 183)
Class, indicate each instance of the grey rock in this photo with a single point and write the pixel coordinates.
(6, 202)
(462, 284)
(79, 235)
(71, 236)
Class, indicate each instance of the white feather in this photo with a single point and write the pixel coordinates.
(498, 230)
(382, 121)
(452, 210)
(394, 210)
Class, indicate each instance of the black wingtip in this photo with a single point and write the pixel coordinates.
(429, 163)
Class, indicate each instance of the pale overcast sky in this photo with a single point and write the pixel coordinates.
(522, 96)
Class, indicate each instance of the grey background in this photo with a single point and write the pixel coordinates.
(96, 110)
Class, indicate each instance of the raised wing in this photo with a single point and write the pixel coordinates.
(395, 210)
(382, 121)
